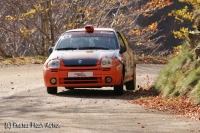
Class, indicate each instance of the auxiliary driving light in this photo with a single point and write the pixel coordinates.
(53, 80)
(108, 79)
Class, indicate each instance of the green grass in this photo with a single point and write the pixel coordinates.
(181, 76)
(196, 93)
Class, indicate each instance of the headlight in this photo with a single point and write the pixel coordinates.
(54, 64)
(107, 62)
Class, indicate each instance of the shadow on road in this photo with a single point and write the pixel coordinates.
(37, 104)
(93, 94)
(104, 94)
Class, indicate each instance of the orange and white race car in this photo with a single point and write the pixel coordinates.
(90, 58)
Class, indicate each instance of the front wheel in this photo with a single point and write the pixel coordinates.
(130, 85)
(118, 89)
(51, 90)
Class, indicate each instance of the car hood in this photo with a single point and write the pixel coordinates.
(82, 57)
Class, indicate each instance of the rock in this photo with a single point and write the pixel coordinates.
(194, 39)
(197, 52)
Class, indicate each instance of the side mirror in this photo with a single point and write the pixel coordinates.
(122, 49)
(50, 50)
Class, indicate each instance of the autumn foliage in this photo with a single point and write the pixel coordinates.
(31, 27)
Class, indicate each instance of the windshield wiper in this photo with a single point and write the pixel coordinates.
(66, 48)
(94, 48)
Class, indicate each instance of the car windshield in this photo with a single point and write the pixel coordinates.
(83, 40)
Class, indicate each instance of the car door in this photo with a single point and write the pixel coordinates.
(129, 56)
(125, 55)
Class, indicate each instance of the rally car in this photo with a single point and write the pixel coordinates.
(90, 58)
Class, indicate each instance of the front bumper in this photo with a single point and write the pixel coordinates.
(97, 80)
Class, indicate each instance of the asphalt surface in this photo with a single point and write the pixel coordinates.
(26, 107)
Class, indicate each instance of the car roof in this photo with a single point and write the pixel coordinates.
(95, 29)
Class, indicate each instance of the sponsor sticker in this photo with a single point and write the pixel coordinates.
(104, 32)
(66, 36)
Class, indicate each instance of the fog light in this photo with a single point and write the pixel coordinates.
(53, 80)
(108, 79)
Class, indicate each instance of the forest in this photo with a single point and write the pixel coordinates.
(152, 27)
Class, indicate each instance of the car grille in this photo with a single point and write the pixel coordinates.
(81, 80)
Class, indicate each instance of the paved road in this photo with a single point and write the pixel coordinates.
(26, 107)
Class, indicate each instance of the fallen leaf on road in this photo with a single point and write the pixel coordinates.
(182, 106)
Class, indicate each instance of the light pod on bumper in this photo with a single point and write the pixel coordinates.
(53, 81)
(108, 79)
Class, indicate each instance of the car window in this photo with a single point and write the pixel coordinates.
(120, 40)
(81, 39)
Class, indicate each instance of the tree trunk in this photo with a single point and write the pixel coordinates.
(46, 4)
(52, 36)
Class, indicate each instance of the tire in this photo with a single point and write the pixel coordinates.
(118, 89)
(131, 85)
(51, 90)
